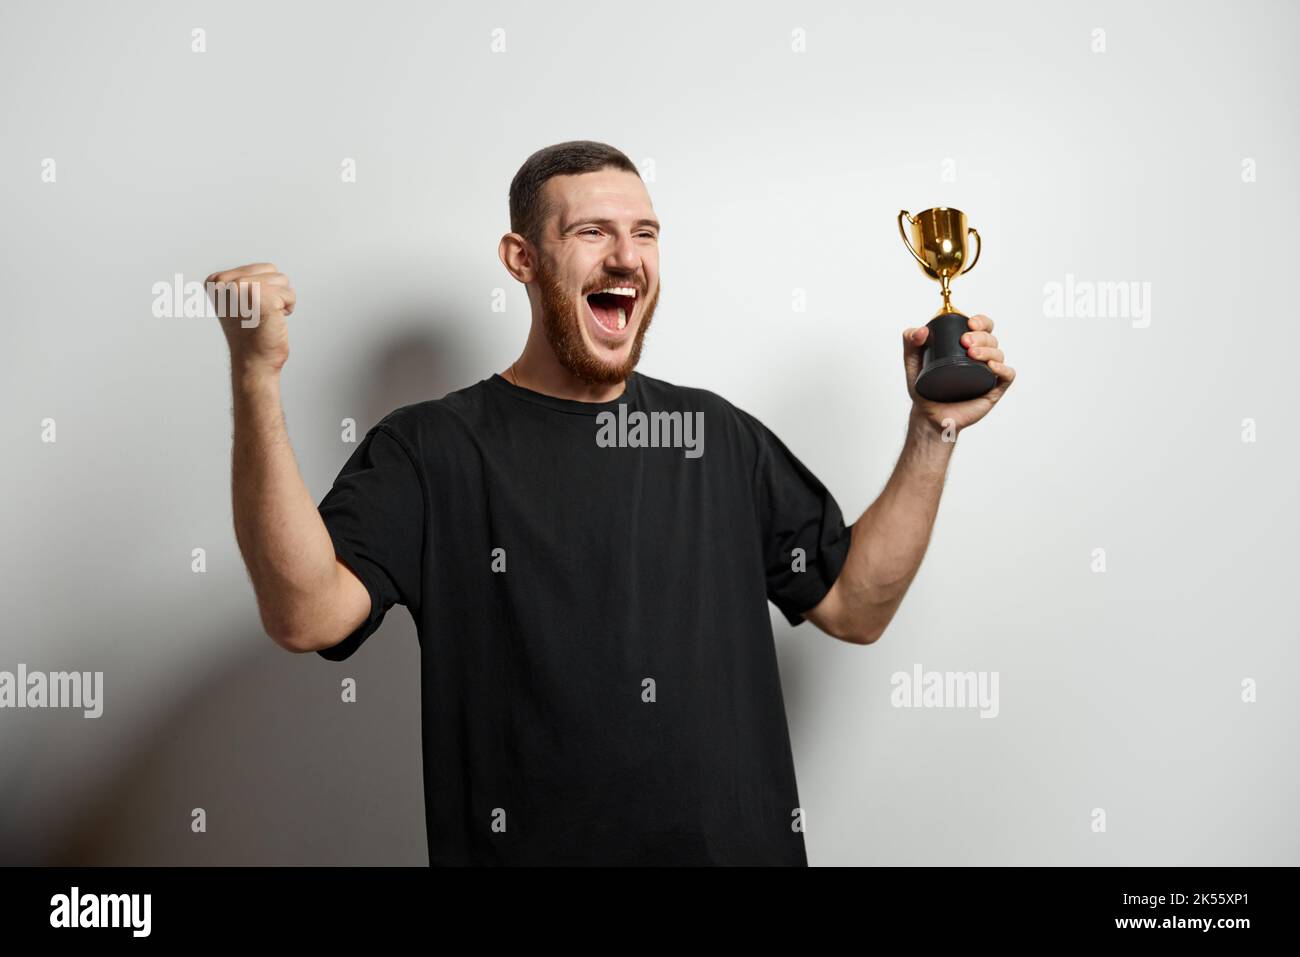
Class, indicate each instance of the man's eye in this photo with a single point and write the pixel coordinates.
(593, 229)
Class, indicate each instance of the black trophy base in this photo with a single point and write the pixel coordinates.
(948, 374)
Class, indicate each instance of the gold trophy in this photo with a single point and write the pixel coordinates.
(940, 244)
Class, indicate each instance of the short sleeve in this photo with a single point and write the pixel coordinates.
(796, 512)
(374, 512)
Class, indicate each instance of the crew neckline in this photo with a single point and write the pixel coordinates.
(577, 406)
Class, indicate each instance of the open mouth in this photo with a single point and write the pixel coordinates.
(612, 307)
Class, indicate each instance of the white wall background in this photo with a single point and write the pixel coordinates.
(773, 171)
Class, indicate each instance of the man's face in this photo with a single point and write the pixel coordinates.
(602, 235)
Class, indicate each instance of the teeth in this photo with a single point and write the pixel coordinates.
(622, 318)
(618, 291)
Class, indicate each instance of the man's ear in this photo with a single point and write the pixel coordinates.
(518, 256)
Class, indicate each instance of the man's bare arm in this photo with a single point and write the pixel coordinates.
(308, 600)
(890, 539)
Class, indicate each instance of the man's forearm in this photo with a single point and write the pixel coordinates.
(890, 538)
(284, 542)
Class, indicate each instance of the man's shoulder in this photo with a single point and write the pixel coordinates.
(661, 394)
(722, 418)
(456, 411)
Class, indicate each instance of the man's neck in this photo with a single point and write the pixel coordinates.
(538, 370)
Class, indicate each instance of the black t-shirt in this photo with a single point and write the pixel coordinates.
(589, 585)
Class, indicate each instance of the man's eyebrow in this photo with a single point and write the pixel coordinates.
(607, 222)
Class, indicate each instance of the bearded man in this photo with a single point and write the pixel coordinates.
(598, 671)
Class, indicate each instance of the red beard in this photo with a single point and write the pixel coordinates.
(561, 320)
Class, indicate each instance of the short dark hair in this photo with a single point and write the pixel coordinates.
(529, 209)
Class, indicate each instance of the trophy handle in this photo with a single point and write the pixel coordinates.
(978, 246)
(907, 242)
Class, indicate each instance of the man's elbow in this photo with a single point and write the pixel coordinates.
(835, 620)
(288, 640)
(861, 636)
(295, 645)
(852, 632)
(290, 636)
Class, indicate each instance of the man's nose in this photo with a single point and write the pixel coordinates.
(624, 255)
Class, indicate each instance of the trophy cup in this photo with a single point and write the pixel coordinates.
(940, 245)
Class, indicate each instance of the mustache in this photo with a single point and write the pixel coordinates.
(617, 284)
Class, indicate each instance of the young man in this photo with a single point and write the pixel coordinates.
(587, 552)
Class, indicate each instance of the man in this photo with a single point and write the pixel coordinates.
(587, 552)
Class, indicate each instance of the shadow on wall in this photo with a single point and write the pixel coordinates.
(419, 363)
(287, 773)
